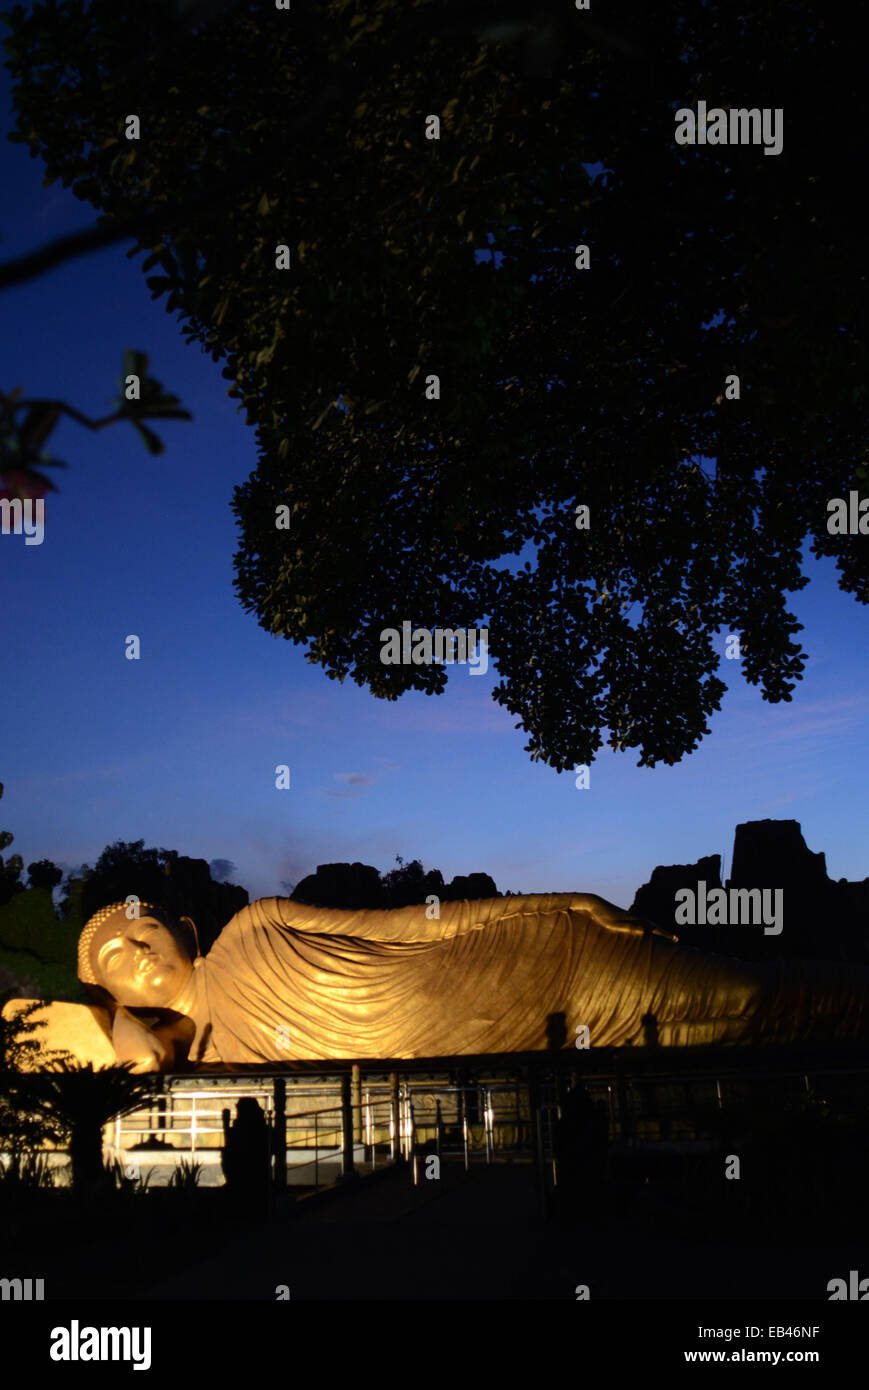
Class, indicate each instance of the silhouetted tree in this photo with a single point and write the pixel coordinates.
(560, 387)
(171, 880)
(38, 948)
(24, 1127)
(10, 869)
(409, 883)
(361, 886)
(79, 1100)
(43, 874)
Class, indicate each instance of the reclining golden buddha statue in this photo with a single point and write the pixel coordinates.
(285, 981)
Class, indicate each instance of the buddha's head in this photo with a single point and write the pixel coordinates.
(137, 953)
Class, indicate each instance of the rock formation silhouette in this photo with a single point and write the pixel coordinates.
(822, 919)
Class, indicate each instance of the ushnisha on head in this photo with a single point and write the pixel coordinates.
(143, 960)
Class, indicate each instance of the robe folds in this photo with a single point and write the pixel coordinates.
(285, 981)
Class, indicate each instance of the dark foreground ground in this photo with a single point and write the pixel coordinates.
(640, 1233)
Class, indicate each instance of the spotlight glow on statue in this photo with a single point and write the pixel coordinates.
(287, 981)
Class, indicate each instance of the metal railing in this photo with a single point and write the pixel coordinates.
(486, 1121)
(197, 1109)
(184, 1117)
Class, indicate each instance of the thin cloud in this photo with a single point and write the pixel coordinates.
(459, 718)
(810, 721)
(353, 781)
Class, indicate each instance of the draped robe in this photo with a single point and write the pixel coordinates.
(284, 981)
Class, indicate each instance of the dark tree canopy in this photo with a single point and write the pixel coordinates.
(43, 874)
(164, 877)
(559, 386)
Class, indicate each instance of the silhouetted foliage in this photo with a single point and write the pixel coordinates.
(21, 440)
(37, 948)
(43, 874)
(559, 387)
(24, 1127)
(164, 877)
(79, 1099)
(409, 883)
(10, 868)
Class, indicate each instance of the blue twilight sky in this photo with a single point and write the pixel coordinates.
(180, 747)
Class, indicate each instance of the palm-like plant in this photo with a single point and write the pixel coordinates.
(79, 1100)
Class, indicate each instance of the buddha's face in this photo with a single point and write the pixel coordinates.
(143, 964)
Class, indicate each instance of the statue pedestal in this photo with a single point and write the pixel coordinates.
(72, 1028)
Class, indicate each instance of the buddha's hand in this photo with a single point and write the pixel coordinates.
(135, 1043)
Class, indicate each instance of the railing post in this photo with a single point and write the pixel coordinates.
(489, 1117)
(370, 1122)
(534, 1120)
(541, 1161)
(356, 1094)
(280, 1134)
(395, 1118)
(413, 1143)
(347, 1127)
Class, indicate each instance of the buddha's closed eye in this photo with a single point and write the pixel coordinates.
(111, 955)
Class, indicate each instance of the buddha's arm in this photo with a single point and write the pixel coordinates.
(134, 1042)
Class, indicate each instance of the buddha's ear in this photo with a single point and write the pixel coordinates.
(192, 925)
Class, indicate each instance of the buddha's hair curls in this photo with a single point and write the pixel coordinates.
(92, 925)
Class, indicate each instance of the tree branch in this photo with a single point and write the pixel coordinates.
(64, 248)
